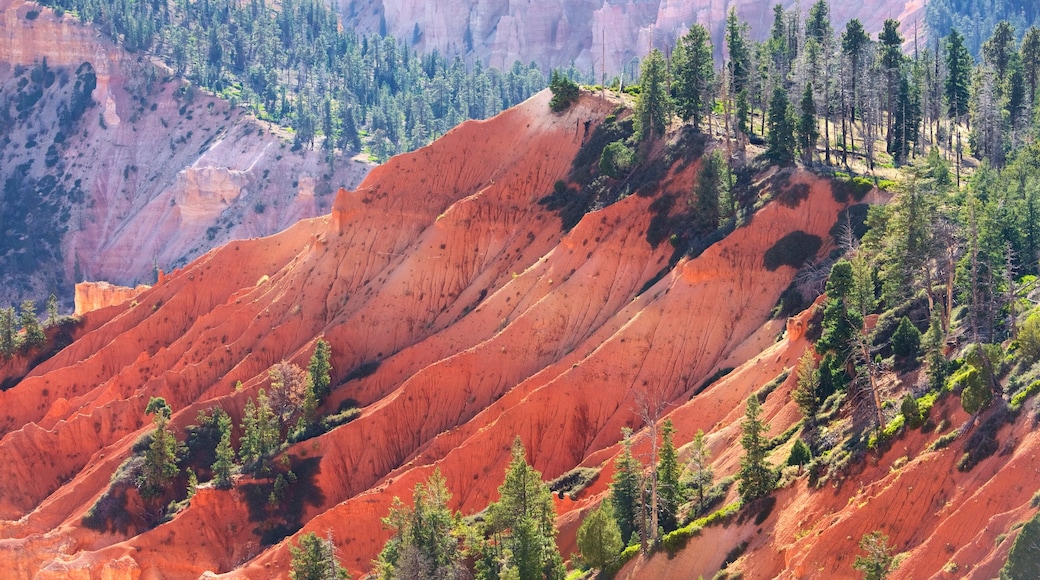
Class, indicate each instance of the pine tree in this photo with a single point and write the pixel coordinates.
(564, 91)
(654, 106)
(52, 310)
(807, 392)
(739, 64)
(260, 437)
(7, 332)
(708, 189)
(320, 370)
(225, 453)
(1030, 57)
(878, 560)
(425, 537)
(159, 467)
(891, 48)
(624, 489)
(818, 26)
(958, 75)
(669, 492)
(757, 479)
(808, 133)
(34, 336)
(702, 476)
(694, 72)
(907, 120)
(781, 129)
(314, 558)
(524, 517)
(999, 52)
(599, 537)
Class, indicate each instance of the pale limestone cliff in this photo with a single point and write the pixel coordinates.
(585, 33)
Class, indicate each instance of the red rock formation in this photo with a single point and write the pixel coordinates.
(561, 34)
(461, 316)
(94, 295)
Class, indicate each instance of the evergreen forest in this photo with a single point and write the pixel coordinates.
(293, 64)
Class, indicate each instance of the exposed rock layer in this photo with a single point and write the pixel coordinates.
(559, 34)
(153, 174)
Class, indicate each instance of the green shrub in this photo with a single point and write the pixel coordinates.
(1024, 559)
(564, 91)
(1029, 338)
(911, 412)
(1021, 396)
(800, 454)
(616, 160)
(906, 342)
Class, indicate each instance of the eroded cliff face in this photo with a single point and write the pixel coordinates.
(114, 168)
(590, 34)
(460, 315)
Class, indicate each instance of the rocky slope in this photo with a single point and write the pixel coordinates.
(112, 167)
(460, 315)
(587, 32)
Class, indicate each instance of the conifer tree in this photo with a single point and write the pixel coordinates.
(807, 392)
(757, 479)
(524, 517)
(52, 310)
(1030, 57)
(624, 489)
(34, 336)
(654, 106)
(808, 133)
(739, 64)
(701, 473)
(708, 189)
(159, 467)
(781, 129)
(694, 72)
(425, 540)
(818, 25)
(891, 48)
(225, 453)
(314, 558)
(260, 437)
(7, 332)
(958, 75)
(669, 492)
(320, 370)
(599, 537)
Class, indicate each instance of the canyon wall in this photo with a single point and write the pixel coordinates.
(148, 174)
(591, 35)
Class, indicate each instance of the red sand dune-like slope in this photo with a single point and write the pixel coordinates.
(476, 318)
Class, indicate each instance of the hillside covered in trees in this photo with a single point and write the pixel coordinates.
(770, 320)
(293, 63)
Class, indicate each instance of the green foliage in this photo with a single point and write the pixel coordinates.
(564, 92)
(800, 454)
(709, 190)
(808, 132)
(523, 519)
(624, 488)
(616, 160)
(33, 336)
(693, 67)
(906, 342)
(958, 67)
(160, 460)
(425, 540)
(911, 412)
(806, 393)
(7, 332)
(700, 474)
(314, 558)
(669, 492)
(756, 477)
(1029, 338)
(739, 49)
(320, 371)
(260, 436)
(1021, 396)
(1024, 558)
(782, 142)
(599, 537)
(225, 453)
(654, 105)
(878, 561)
(294, 63)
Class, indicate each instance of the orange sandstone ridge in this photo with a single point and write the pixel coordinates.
(461, 316)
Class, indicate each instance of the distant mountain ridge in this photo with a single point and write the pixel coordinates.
(583, 33)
